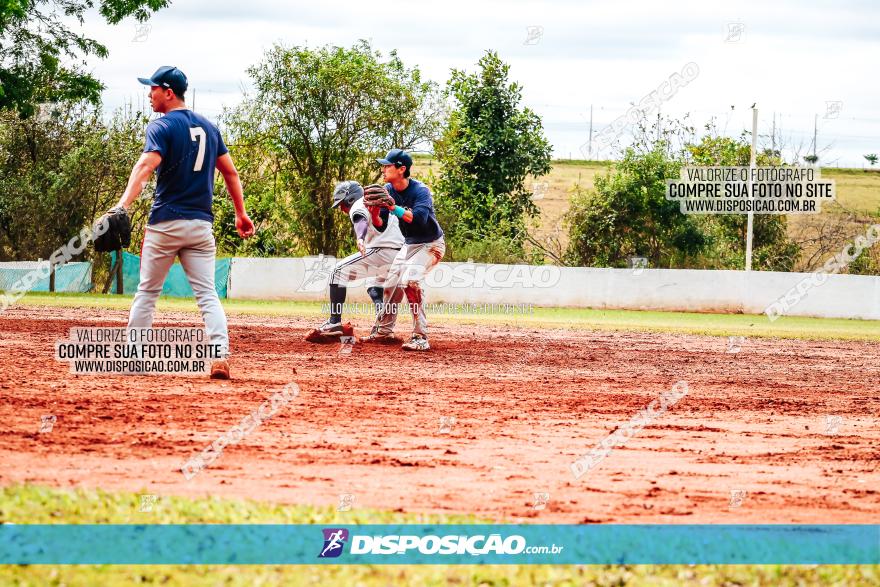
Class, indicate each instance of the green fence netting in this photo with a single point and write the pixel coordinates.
(72, 277)
(176, 284)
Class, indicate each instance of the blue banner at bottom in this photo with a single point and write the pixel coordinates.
(439, 544)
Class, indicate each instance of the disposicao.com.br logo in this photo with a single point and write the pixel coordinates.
(334, 542)
(393, 544)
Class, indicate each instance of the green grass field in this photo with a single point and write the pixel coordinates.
(572, 318)
(29, 504)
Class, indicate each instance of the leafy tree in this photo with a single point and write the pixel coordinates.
(34, 44)
(319, 116)
(59, 171)
(265, 178)
(628, 215)
(772, 249)
(489, 147)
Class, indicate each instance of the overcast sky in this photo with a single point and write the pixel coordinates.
(791, 58)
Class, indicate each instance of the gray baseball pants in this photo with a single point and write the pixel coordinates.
(193, 242)
(407, 271)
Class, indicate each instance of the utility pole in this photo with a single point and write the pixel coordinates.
(752, 160)
(773, 137)
(590, 148)
(815, 126)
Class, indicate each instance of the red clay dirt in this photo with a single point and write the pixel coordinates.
(526, 404)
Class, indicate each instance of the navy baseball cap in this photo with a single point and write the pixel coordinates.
(167, 77)
(397, 157)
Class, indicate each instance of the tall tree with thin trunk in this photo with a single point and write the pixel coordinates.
(319, 116)
(42, 60)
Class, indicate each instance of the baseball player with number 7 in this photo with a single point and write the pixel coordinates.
(184, 149)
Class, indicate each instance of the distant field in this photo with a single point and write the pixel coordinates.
(857, 189)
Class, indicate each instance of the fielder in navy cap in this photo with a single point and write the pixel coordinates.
(167, 77)
(398, 158)
(423, 247)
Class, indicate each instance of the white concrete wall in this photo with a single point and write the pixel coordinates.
(835, 296)
(280, 278)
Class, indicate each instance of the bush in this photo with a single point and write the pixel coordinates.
(489, 147)
(628, 215)
(491, 244)
(772, 249)
(59, 171)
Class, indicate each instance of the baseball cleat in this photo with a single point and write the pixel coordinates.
(220, 369)
(416, 343)
(331, 328)
(376, 337)
(329, 332)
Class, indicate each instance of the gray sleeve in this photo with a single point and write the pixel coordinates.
(360, 226)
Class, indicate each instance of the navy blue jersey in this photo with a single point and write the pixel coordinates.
(189, 145)
(424, 227)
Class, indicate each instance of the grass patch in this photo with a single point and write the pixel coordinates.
(572, 318)
(856, 189)
(828, 171)
(31, 504)
(604, 163)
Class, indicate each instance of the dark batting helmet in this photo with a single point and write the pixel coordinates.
(348, 192)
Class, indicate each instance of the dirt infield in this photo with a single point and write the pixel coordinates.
(792, 428)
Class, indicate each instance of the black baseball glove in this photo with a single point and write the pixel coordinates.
(112, 231)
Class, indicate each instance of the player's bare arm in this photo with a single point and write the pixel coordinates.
(227, 169)
(140, 174)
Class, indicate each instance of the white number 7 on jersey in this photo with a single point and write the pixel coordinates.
(197, 134)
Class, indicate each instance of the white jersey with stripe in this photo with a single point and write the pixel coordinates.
(390, 238)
